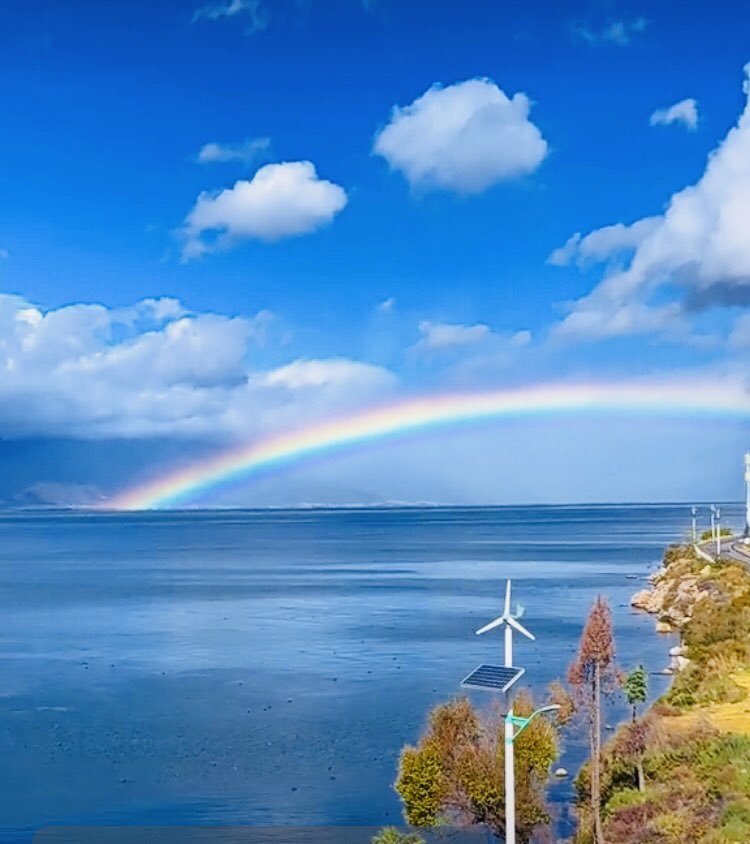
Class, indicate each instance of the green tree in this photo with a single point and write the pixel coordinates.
(455, 774)
(593, 674)
(636, 689)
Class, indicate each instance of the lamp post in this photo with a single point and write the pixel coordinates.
(718, 533)
(694, 514)
(511, 722)
(712, 508)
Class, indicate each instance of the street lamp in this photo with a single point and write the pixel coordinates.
(496, 678)
(694, 514)
(718, 533)
(712, 508)
(511, 722)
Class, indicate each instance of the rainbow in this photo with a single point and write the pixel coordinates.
(425, 414)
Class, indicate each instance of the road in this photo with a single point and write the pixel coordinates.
(732, 548)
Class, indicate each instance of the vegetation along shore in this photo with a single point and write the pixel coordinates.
(678, 773)
(693, 745)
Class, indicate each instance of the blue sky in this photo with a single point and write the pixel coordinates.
(223, 219)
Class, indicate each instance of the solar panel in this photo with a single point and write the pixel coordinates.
(492, 678)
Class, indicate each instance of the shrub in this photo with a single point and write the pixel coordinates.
(390, 835)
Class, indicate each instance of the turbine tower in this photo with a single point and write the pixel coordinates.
(747, 497)
(511, 623)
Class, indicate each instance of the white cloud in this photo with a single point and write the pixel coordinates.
(685, 112)
(281, 200)
(308, 374)
(694, 256)
(442, 335)
(255, 10)
(387, 305)
(156, 369)
(602, 244)
(617, 31)
(246, 152)
(463, 138)
(520, 338)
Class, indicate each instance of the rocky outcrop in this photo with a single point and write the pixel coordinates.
(674, 593)
(672, 599)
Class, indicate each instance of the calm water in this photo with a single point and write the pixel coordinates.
(266, 667)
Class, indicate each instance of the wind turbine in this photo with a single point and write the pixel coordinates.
(511, 623)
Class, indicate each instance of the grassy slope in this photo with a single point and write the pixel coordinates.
(695, 743)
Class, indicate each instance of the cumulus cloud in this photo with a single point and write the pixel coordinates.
(694, 256)
(246, 152)
(306, 374)
(685, 112)
(462, 138)
(602, 244)
(442, 335)
(280, 201)
(156, 369)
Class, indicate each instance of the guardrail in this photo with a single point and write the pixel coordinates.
(703, 555)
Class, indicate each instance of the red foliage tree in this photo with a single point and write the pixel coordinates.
(592, 674)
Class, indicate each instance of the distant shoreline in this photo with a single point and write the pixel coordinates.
(387, 506)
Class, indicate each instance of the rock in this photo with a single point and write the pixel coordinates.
(561, 773)
(681, 663)
(663, 627)
(641, 600)
(667, 671)
(678, 650)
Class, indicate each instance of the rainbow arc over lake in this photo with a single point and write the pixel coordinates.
(421, 416)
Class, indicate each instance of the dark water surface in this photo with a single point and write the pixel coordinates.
(266, 667)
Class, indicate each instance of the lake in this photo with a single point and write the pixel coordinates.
(266, 667)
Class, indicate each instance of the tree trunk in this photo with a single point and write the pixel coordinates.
(596, 757)
(641, 778)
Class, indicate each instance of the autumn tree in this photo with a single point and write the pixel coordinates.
(455, 774)
(593, 674)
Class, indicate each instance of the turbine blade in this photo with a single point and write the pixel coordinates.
(521, 629)
(506, 611)
(491, 626)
